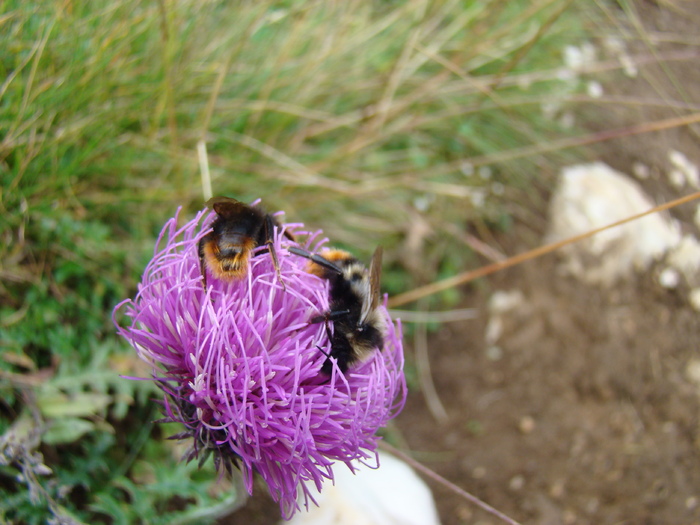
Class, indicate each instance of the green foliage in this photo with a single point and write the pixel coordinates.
(372, 120)
(96, 469)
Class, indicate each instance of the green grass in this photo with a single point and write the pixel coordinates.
(368, 119)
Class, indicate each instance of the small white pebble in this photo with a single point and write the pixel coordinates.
(690, 171)
(557, 489)
(692, 371)
(685, 257)
(503, 301)
(694, 298)
(572, 57)
(676, 178)
(494, 353)
(526, 424)
(628, 66)
(594, 89)
(641, 171)
(516, 482)
(669, 278)
(578, 58)
(479, 472)
(494, 330)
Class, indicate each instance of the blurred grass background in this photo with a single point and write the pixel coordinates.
(382, 122)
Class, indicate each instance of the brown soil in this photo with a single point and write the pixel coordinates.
(586, 418)
(589, 415)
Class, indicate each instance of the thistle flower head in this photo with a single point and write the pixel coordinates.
(240, 364)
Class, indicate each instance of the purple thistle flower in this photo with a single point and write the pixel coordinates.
(240, 365)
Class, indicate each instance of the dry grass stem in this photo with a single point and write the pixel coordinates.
(465, 277)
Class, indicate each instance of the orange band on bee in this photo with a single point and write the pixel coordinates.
(331, 256)
(228, 268)
(336, 255)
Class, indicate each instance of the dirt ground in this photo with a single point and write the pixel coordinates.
(589, 415)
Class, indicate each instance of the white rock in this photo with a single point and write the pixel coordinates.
(494, 330)
(692, 371)
(629, 66)
(593, 195)
(687, 170)
(685, 257)
(500, 303)
(694, 298)
(391, 495)
(676, 178)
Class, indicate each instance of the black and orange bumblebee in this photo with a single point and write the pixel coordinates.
(237, 230)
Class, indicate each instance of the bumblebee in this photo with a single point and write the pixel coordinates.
(358, 326)
(237, 230)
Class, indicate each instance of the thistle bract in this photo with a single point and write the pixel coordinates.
(239, 364)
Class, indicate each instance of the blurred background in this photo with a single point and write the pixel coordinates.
(434, 128)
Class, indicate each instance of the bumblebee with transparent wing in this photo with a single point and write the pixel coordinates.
(358, 327)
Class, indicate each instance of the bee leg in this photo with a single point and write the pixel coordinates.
(324, 263)
(202, 260)
(327, 365)
(336, 314)
(329, 316)
(323, 351)
(269, 230)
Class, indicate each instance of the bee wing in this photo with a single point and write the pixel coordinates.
(375, 276)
